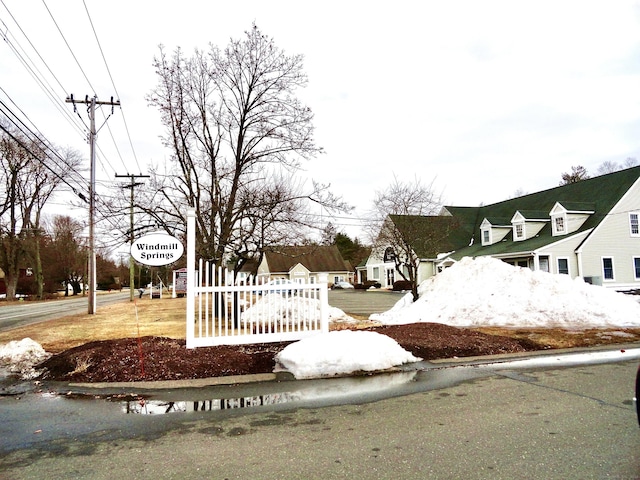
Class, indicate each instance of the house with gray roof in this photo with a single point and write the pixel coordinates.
(588, 229)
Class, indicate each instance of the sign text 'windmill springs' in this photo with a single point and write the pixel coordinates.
(157, 249)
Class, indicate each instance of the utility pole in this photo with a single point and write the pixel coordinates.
(131, 186)
(91, 109)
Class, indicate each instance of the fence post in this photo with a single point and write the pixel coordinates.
(191, 283)
(324, 308)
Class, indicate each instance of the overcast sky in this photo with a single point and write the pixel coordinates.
(486, 97)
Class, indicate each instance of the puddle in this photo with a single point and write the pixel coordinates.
(300, 393)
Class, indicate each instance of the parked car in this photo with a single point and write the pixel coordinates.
(279, 285)
(342, 286)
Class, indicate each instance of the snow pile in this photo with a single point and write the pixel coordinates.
(20, 356)
(488, 292)
(272, 308)
(342, 352)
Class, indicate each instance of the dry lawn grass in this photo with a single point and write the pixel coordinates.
(158, 317)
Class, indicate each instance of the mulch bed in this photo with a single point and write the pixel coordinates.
(160, 358)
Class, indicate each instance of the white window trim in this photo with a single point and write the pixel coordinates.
(547, 259)
(517, 237)
(554, 224)
(637, 214)
(488, 241)
(613, 269)
(633, 265)
(558, 266)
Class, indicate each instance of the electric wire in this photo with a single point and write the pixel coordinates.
(69, 47)
(28, 150)
(33, 136)
(114, 89)
(36, 74)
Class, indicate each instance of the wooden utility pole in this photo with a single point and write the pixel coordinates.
(132, 185)
(91, 109)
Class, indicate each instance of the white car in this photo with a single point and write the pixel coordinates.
(279, 285)
(342, 285)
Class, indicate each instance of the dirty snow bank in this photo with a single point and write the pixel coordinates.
(488, 292)
(19, 357)
(342, 352)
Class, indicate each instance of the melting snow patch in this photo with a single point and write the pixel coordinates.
(20, 356)
(340, 353)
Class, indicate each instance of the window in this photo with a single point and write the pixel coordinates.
(607, 268)
(559, 223)
(563, 266)
(486, 238)
(634, 225)
(389, 255)
(544, 264)
(519, 230)
(636, 267)
(376, 273)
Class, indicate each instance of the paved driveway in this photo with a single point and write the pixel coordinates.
(363, 302)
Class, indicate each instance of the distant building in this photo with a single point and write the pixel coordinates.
(308, 263)
(588, 229)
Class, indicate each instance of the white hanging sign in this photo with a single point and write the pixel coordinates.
(157, 249)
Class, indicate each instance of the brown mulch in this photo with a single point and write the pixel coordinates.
(160, 358)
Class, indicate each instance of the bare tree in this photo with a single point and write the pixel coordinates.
(237, 135)
(44, 180)
(577, 174)
(609, 166)
(31, 171)
(13, 220)
(407, 225)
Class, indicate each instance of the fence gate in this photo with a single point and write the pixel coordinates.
(224, 311)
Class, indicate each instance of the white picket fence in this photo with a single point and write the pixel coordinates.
(224, 311)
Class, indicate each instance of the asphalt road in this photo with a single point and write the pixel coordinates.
(363, 302)
(551, 423)
(357, 302)
(17, 314)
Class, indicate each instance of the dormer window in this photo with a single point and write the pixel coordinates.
(568, 217)
(494, 230)
(528, 223)
(519, 231)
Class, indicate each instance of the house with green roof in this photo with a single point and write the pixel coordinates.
(588, 229)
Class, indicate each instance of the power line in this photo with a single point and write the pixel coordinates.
(39, 136)
(28, 150)
(24, 58)
(114, 88)
(68, 46)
